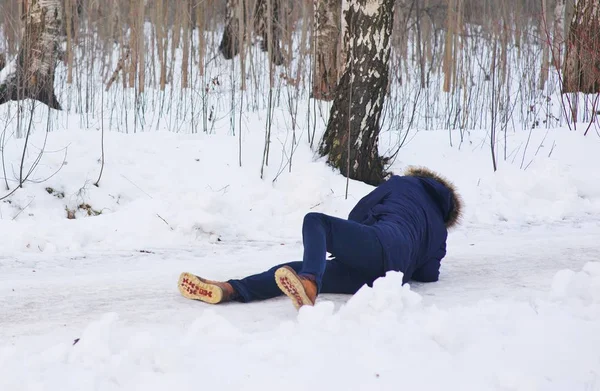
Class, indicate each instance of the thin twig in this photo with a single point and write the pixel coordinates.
(139, 188)
(22, 209)
(168, 225)
(101, 139)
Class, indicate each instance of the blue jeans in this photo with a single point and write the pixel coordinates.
(357, 259)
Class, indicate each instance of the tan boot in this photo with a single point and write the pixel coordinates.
(300, 290)
(197, 288)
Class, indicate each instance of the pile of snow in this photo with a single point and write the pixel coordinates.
(157, 189)
(581, 288)
(383, 338)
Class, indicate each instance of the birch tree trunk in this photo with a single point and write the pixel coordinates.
(582, 58)
(351, 137)
(31, 74)
(327, 14)
(559, 33)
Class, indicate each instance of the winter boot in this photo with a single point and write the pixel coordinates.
(301, 290)
(197, 288)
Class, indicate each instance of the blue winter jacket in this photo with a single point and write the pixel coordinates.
(411, 215)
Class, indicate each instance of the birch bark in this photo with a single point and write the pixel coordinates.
(351, 138)
(31, 74)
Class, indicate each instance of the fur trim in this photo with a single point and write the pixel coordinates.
(456, 213)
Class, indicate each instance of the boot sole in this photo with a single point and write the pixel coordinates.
(289, 283)
(191, 287)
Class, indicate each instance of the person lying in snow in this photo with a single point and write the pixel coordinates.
(402, 225)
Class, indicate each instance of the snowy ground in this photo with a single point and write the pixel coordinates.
(498, 319)
(517, 306)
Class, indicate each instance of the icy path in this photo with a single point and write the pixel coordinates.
(48, 301)
(47, 293)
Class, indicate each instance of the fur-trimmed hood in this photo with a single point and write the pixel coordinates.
(450, 200)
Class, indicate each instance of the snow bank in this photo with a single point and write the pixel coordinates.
(547, 182)
(159, 189)
(382, 338)
(164, 189)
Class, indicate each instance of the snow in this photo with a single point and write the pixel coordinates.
(517, 306)
(91, 303)
(583, 287)
(381, 338)
(8, 70)
(177, 197)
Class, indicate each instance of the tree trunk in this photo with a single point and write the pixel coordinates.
(582, 59)
(559, 33)
(234, 17)
(31, 73)
(266, 25)
(269, 29)
(545, 50)
(327, 14)
(351, 137)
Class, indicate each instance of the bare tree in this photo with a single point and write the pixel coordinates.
(234, 18)
(267, 26)
(582, 58)
(31, 73)
(351, 137)
(327, 14)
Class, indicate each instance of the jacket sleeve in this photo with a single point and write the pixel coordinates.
(430, 271)
(360, 212)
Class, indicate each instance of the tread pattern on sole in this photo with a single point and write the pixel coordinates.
(289, 283)
(191, 287)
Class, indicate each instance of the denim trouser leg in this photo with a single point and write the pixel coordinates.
(353, 244)
(260, 286)
(358, 259)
